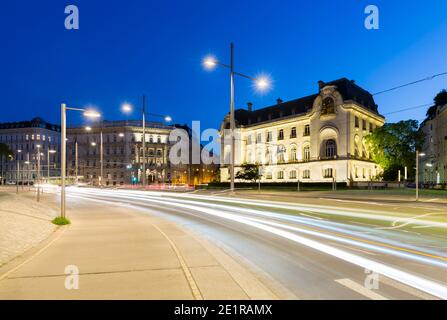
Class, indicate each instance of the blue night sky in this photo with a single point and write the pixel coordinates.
(126, 48)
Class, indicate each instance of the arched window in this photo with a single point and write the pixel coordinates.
(306, 153)
(293, 156)
(331, 148)
(280, 153)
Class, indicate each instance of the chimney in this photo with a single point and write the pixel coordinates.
(250, 106)
(278, 101)
(321, 84)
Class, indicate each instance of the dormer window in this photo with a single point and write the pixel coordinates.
(328, 106)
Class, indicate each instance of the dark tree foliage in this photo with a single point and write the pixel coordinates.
(249, 172)
(394, 145)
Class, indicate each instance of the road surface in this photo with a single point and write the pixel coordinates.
(314, 251)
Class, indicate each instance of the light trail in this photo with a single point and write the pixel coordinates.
(232, 213)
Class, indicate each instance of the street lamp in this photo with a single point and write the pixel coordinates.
(128, 108)
(38, 171)
(101, 154)
(418, 155)
(18, 171)
(48, 162)
(87, 113)
(262, 83)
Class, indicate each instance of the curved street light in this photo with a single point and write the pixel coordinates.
(262, 83)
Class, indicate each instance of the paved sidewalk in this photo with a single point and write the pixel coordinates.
(24, 222)
(127, 255)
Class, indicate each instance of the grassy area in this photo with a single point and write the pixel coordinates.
(397, 192)
(60, 221)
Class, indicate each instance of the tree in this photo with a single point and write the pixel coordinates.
(249, 172)
(440, 100)
(5, 152)
(394, 145)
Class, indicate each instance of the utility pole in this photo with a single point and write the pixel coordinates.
(76, 161)
(144, 142)
(232, 121)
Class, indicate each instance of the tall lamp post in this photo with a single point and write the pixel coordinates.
(38, 171)
(418, 155)
(262, 83)
(18, 171)
(88, 114)
(48, 162)
(101, 154)
(128, 108)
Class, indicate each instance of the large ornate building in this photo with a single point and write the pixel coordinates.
(123, 155)
(433, 168)
(318, 138)
(26, 139)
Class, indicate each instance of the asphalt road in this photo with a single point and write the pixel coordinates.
(313, 251)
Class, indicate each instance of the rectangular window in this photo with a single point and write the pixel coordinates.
(280, 175)
(307, 130)
(357, 122)
(268, 176)
(364, 125)
(249, 140)
(281, 134)
(293, 133)
(328, 173)
(259, 138)
(292, 174)
(269, 136)
(306, 174)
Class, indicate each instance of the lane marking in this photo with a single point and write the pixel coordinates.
(409, 290)
(354, 286)
(192, 283)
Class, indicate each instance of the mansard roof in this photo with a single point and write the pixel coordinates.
(347, 88)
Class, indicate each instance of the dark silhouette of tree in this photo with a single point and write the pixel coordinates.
(394, 145)
(249, 172)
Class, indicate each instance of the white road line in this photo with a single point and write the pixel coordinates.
(370, 294)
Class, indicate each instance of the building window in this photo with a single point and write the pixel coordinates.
(293, 156)
(249, 139)
(293, 133)
(280, 175)
(364, 173)
(281, 151)
(371, 127)
(259, 138)
(357, 122)
(306, 174)
(292, 174)
(268, 176)
(306, 153)
(281, 134)
(364, 125)
(328, 173)
(331, 148)
(307, 130)
(269, 136)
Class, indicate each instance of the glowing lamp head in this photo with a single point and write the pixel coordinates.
(121, 135)
(126, 108)
(92, 114)
(52, 151)
(262, 83)
(88, 128)
(93, 144)
(168, 119)
(209, 63)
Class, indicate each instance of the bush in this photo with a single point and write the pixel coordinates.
(61, 221)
